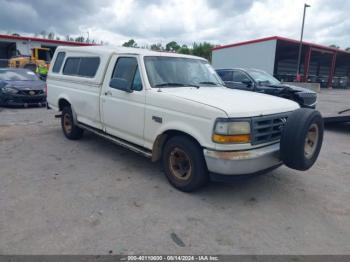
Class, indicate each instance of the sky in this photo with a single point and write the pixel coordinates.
(161, 21)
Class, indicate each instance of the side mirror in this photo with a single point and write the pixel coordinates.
(248, 83)
(120, 84)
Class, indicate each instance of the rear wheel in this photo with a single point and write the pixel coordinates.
(184, 164)
(69, 128)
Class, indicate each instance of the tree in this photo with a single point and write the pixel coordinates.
(184, 50)
(157, 47)
(130, 43)
(79, 39)
(334, 46)
(347, 49)
(15, 34)
(43, 33)
(203, 50)
(51, 35)
(172, 46)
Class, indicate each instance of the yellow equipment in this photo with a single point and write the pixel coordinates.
(38, 61)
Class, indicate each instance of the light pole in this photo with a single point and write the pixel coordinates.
(301, 42)
(88, 36)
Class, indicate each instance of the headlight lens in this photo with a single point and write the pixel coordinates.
(231, 132)
(9, 90)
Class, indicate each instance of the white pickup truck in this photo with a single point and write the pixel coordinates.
(175, 108)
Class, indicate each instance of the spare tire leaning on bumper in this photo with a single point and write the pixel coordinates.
(301, 139)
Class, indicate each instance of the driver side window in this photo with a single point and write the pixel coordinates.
(240, 77)
(127, 69)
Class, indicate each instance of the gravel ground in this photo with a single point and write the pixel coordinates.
(92, 197)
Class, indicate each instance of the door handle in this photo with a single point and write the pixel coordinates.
(108, 93)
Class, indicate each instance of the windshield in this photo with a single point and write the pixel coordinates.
(262, 77)
(17, 75)
(177, 72)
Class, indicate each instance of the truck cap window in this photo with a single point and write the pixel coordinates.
(58, 62)
(126, 68)
(81, 66)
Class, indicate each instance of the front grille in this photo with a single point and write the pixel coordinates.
(268, 128)
(31, 92)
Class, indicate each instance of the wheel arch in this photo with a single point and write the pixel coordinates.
(162, 138)
(63, 102)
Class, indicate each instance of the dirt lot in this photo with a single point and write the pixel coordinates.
(93, 197)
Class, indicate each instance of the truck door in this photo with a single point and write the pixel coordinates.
(122, 111)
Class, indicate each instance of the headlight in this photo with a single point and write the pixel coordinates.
(226, 131)
(9, 90)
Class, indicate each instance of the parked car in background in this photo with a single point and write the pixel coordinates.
(259, 81)
(21, 87)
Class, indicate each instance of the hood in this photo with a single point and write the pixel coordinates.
(299, 89)
(236, 103)
(26, 85)
(290, 87)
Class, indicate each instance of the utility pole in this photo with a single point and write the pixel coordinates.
(301, 42)
(88, 36)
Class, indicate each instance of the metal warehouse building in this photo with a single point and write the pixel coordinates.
(12, 45)
(278, 56)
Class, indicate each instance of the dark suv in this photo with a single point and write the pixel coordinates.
(259, 81)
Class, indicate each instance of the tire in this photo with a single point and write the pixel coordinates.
(70, 130)
(186, 152)
(301, 139)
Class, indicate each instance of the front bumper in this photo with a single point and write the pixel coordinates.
(243, 162)
(22, 100)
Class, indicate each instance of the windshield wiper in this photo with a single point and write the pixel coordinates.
(209, 83)
(175, 84)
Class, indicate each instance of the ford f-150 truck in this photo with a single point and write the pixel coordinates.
(175, 108)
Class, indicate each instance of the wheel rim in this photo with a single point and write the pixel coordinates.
(180, 164)
(67, 123)
(311, 141)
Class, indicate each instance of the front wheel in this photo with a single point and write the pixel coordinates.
(69, 128)
(184, 164)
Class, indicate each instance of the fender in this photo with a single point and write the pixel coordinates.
(174, 127)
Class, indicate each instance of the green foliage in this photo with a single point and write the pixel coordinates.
(157, 47)
(51, 35)
(184, 50)
(130, 43)
(198, 49)
(203, 50)
(80, 39)
(172, 46)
